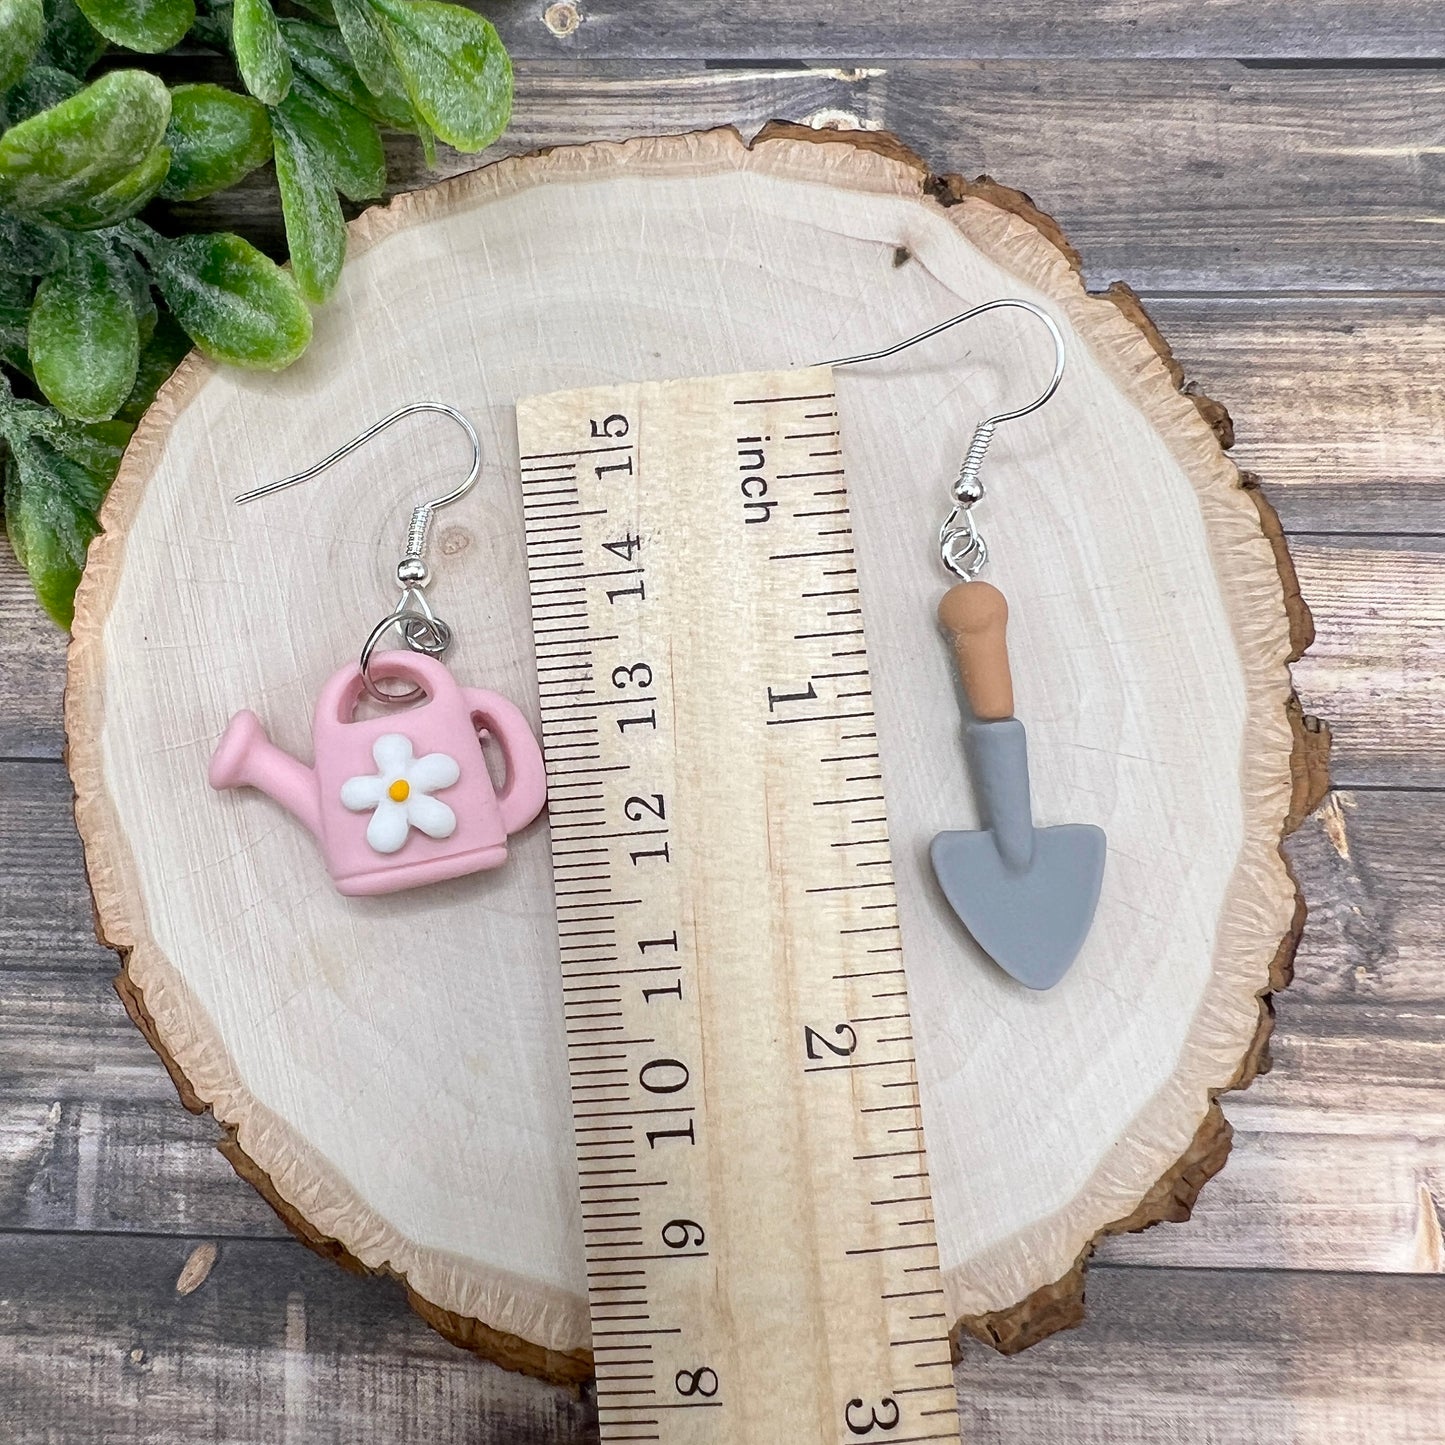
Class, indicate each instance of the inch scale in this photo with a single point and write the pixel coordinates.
(761, 1257)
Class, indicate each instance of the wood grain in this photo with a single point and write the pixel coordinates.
(1340, 1197)
(1320, 179)
(1366, 863)
(32, 665)
(276, 1346)
(1030, 29)
(1121, 154)
(1197, 1357)
(74, 1163)
(1332, 1147)
(1379, 655)
(1336, 408)
(1339, 1158)
(1372, 654)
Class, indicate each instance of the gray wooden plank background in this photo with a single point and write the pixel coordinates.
(1268, 174)
(983, 29)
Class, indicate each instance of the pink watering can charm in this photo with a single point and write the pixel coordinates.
(402, 799)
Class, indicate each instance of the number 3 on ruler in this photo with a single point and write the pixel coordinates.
(875, 1421)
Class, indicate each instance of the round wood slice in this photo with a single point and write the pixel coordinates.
(390, 1072)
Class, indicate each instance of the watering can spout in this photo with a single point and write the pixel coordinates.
(246, 757)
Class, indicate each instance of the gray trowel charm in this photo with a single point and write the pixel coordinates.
(1026, 894)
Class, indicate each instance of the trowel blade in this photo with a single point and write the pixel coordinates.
(1031, 921)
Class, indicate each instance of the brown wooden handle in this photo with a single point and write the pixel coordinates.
(975, 616)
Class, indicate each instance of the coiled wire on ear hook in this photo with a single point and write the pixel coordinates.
(961, 545)
(412, 617)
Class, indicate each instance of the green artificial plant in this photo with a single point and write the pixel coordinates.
(98, 306)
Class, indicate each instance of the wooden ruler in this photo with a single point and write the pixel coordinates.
(761, 1254)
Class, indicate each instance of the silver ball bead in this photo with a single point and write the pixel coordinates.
(968, 492)
(412, 572)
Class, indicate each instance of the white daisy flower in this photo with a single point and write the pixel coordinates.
(400, 792)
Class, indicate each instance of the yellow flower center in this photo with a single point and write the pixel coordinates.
(399, 791)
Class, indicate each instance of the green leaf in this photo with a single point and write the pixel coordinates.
(138, 287)
(149, 25)
(51, 504)
(15, 292)
(84, 342)
(71, 42)
(321, 53)
(213, 25)
(22, 28)
(457, 71)
(78, 150)
(343, 139)
(160, 356)
(13, 352)
(260, 52)
(216, 138)
(29, 249)
(315, 229)
(38, 89)
(96, 445)
(118, 202)
(361, 30)
(238, 305)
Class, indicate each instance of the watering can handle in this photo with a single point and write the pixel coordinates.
(975, 616)
(525, 791)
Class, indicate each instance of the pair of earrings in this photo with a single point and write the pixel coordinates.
(1026, 894)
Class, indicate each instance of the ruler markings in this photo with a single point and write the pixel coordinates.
(767, 1199)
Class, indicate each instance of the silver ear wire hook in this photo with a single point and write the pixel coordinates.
(420, 628)
(960, 544)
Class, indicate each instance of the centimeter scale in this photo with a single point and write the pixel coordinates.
(761, 1256)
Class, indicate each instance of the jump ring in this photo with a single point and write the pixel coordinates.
(964, 552)
(367, 649)
(429, 635)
